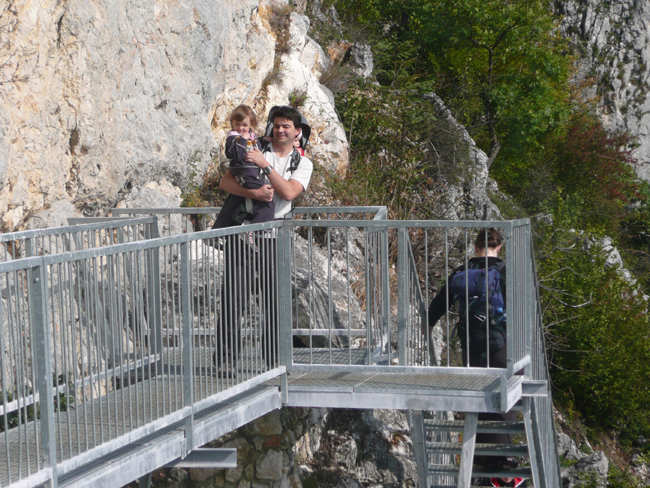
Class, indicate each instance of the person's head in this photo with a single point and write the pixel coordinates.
(488, 240)
(243, 119)
(286, 124)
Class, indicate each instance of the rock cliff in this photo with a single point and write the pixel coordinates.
(613, 40)
(99, 97)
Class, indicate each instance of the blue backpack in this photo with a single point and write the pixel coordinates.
(468, 290)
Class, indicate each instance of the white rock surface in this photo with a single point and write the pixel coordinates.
(615, 37)
(98, 97)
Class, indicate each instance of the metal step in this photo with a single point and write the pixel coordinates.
(482, 449)
(482, 473)
(484, 426)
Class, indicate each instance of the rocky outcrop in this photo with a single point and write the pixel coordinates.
(613, 39)
(99, 97)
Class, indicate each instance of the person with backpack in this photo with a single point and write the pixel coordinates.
(478, 291)
(288, 174)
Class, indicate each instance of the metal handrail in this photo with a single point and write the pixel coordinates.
(54, 240)
(136, 313)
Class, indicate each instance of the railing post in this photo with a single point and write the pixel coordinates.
(531, 309)
(285, 311)
(510, 293)
(154, 305)
(416, 421)
(402, 294)
(42, 361)
(187, 350)
(385, 287)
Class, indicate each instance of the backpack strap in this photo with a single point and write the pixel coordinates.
(294, 162)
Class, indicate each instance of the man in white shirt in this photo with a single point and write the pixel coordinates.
(286, 183)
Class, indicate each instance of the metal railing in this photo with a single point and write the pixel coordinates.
(144, 334)
(545, 441)
(356, 326)
(55, 240)
(174, 220)
(127, 339)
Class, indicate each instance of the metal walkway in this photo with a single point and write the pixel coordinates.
(131, 338)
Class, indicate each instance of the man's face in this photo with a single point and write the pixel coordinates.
(284, 130)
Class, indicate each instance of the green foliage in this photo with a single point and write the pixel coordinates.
(388, 165)
(203, 191)
(618, 478)
(498, 64)
(597, 329)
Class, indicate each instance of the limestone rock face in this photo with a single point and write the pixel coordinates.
(615, 41)
(99, 97)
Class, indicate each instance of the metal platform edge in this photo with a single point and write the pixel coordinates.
(131, 464)
(483, 402)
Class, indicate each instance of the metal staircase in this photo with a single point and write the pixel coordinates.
(445, 442)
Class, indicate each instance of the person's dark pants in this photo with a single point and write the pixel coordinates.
(249, 266)
(478, 358)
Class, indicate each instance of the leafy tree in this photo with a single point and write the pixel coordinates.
(498, 63)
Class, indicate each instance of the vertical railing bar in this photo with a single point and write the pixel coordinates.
(116, 349)
(24, 375)
(330, 304)
(138, 385)
(487, 299)
(212, 317)
(90, 299)
(40, 323)
(288, 253)
(178, 339)
(467, 331)
(101, 299)
(283, 297)
(166, 379)
(385, 284)
(151, 338)
(510, 278)
(310, 264)
(25, 311)
(65, 347)
(123, 338)
(100, 343)
(368, 295)
(349, 304)
(446, 285)
(130, 335)
(78, 384)
(145, 381)
(187, 348)
(13, 332)
(200, 319)
(4, 391)
(55, 367)
(428, 352)
(270, 326)
(402, 294)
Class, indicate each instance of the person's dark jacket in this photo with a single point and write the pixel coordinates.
(438, 306)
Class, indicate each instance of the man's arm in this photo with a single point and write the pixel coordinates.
(229, 184)
(438, 306)
(287, 189)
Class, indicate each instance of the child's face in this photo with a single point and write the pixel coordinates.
(242, 126)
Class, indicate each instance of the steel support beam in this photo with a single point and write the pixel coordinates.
(207, 458)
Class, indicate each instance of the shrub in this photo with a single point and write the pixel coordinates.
(597, 329)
